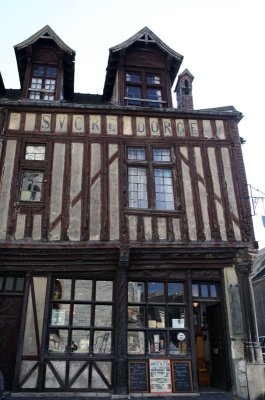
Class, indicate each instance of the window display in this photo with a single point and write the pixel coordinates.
(157, 308)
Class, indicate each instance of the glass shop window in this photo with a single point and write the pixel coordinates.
(81, 316)
(157, 320)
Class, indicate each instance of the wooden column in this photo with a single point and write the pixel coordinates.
(120, 382)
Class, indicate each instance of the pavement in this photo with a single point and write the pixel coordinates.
(103, 396)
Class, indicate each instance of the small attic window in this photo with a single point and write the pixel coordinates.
(143, 89)
(43, 83)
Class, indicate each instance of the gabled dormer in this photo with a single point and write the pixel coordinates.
(46, 67)
(141, 72)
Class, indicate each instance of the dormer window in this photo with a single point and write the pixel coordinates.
(143, 89)
(43, 83)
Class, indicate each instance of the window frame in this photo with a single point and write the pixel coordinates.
(92, 328)
(150, 165)
(166, 331)
(42, 90)
(37, 166)
(144, 85)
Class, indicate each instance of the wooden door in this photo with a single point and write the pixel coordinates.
(10, 313)
(220, 377)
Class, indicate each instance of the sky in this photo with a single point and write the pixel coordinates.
(222, 42)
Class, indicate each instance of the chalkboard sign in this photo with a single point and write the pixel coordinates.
(138, 376)
(182, 378)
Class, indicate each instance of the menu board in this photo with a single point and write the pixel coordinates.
(182, 378)
(160, 376)
(138, 380)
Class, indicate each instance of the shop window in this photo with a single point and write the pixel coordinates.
(143, 89)
(157, 318)
(81, 317)
(43, 83)
(150, 178)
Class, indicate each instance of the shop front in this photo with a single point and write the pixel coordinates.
(123, 332)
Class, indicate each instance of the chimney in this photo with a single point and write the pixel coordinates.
(184, 91)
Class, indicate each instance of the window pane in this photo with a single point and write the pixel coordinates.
(104, 291)
(178, 343)
(156, 292)
(9, 283)
(155, 96)
(175, 292)
(152, 78)
(51, 72)
(204, 291)
(60, 314)
(62, 289)
(36, 83)
(136, 343)
(102, 342)
(156, 317)
(195, 290)
(164, 189)
(50, 84)
(161, 155)
(157, 342)
(81, 315)
(34, 95)
(31, 186)
(137, 187)
(58, 340)
(35, 153)
(83, 289)
(176, 317)
(133, 77)
(103, 315)
(48, 96)
(213, 290)
(38, 71)
(136, 292)
(80, 341)
(136, 317)
(136, 153)
(134, 92)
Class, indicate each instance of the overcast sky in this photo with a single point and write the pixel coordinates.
(222, 42)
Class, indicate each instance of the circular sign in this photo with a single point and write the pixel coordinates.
(181, 336)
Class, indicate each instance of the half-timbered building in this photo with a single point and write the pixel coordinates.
(126, 237)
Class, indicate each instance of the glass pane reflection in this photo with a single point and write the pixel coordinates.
(156, 292)
(103, 291)
(80, 341)
(58, 340)
(102, 342)
(175, 292)
(62, 289)
(81, 315)
(83, 289)
(136, 292)
(60, 314)
(103, 315)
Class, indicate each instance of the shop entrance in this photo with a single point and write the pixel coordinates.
(211, 354)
